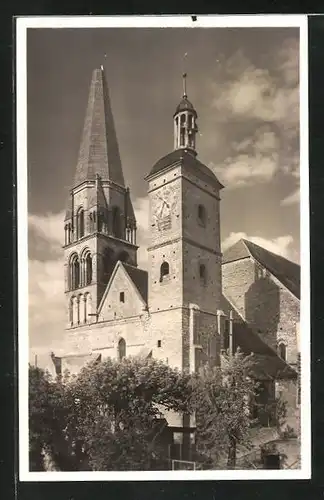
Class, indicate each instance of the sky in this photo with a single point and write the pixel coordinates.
(244, 84)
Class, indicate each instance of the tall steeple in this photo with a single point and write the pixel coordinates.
(99, 151)
(185, 122)
(100, 224)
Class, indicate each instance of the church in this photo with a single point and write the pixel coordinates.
(193, 302)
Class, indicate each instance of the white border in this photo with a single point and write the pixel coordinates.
(22, 223)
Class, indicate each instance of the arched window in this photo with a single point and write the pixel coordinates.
(202, 273)
(88, 269)
(74, 273)
(80, 223)
(121, 349)
(164, 270)
(116, 222)
(202, 215)
(282, 351)
(182, 136)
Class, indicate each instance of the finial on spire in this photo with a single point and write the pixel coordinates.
(101, 66)
(184, 76)
(184, 82)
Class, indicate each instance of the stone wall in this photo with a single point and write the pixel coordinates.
(265, 304)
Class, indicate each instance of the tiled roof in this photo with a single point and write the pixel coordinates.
(271, 367)
(99, 152)
(287, 272)
(139, 278)
(183, 157)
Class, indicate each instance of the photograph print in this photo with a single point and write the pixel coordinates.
(163, 252)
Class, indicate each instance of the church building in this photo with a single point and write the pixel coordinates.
(191, 303)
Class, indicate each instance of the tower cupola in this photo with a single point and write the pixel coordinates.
(185, 123)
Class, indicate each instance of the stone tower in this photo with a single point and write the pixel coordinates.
(184, 252)
(100, 225)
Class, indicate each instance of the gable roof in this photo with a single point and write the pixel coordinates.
(287, 272)
(184, 157)
(266, 362)
(99, 151)
(140, 279)
(137, 277)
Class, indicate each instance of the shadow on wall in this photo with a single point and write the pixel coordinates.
(262, 307)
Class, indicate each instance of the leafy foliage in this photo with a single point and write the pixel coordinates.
(221, 403)
(109, 417)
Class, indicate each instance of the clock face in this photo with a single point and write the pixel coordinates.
(164, 203)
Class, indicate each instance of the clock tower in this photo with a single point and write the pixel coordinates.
(184, 291)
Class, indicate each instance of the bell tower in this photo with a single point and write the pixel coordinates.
(184, 253)
(185, 122)
(100, 225)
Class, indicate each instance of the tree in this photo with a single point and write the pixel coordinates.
(39, 419)
(221, 403)
(120, 411)
(50, 408)
(110, 416)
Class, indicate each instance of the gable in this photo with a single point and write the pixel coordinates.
(285, 271)
(235, 252)
(121, 298)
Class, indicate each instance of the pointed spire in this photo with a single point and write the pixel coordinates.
(99, 151)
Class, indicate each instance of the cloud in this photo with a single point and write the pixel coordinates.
(46, 304)
(267, 95)
(282, 245)
(263, 104)
(46, 282)
(254, 159)
(49, 226)
(291, 199)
